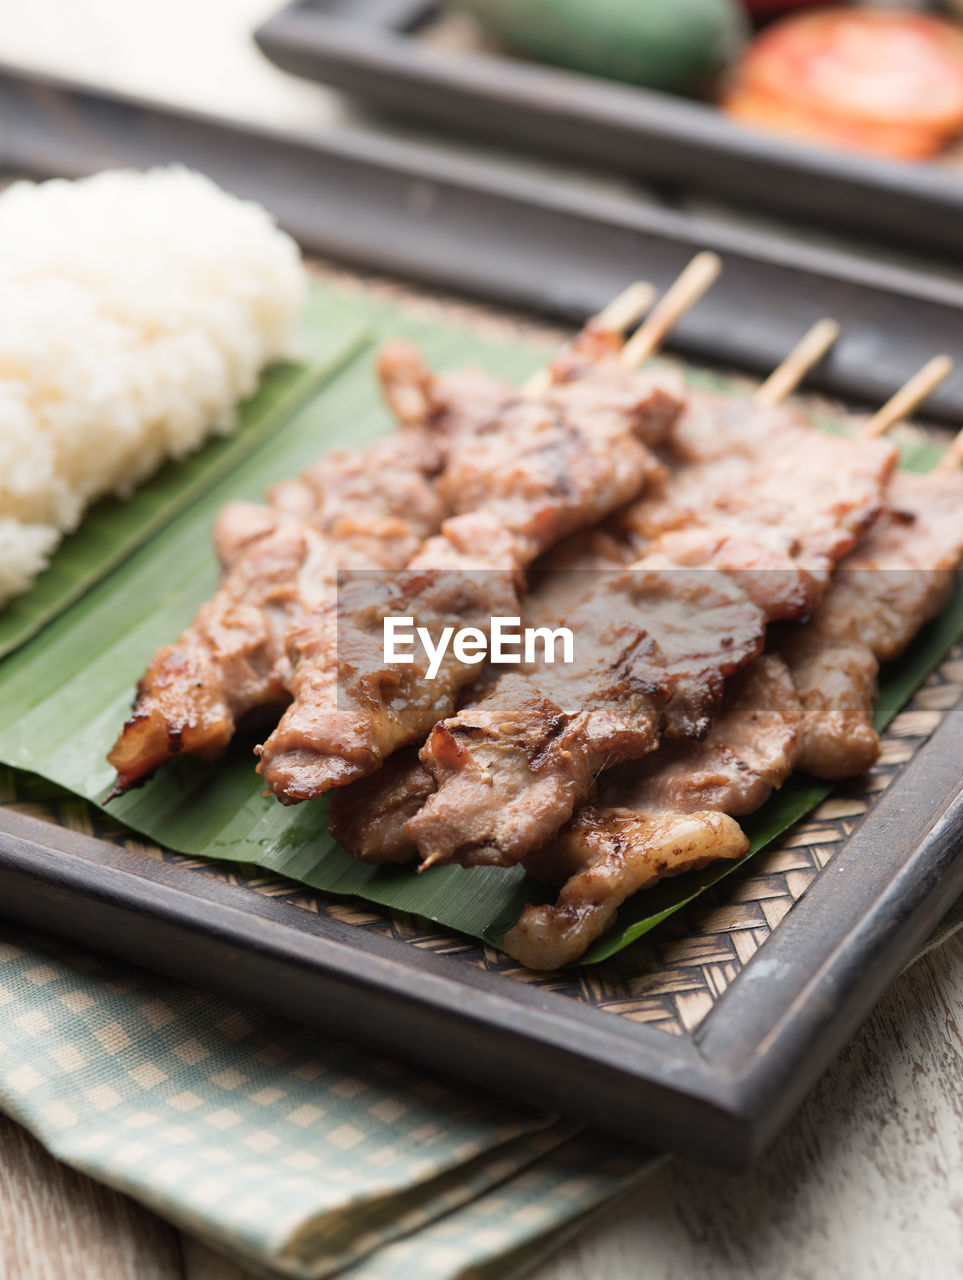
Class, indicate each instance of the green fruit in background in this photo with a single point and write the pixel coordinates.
(675, 45)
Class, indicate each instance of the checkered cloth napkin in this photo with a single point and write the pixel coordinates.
(293, 1152)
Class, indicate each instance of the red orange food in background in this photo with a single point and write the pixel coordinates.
(878, 80)
(770, 8)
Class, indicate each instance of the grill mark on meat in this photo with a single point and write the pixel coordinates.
(646, 640)
(369, 508)
(899, 578)
(510, 489)
(554, 730)
(713, 434)
(670, 813)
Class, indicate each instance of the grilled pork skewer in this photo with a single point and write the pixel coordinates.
(552, 462)
(370, 509)
(499, 776)
(674, 814)
(364, 509)
(761, 496)
(339, 727)
(370, 818)
(898, 579)
(511, 768)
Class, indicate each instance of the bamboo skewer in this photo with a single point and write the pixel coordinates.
(697, 277)
(813, 346)
(953, 457)
(686, 291)
(810, 350)
(909, 397)
(631, 304)
(807, 353)
(634, 302)
(622, 312)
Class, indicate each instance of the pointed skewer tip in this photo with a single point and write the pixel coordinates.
(628, 308)
(805, 355)
(953, 458)
(679, 298)
(909, 397)
(622, 312)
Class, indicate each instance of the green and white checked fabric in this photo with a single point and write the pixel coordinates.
(294, 1152)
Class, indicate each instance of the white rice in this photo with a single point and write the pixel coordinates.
(137, 311)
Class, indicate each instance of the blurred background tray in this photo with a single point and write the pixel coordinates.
(373, 50)
(491, 232)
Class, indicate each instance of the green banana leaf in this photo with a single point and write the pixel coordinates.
(64, 695)
(114, 528)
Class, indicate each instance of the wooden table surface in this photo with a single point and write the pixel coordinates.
(866, 1183)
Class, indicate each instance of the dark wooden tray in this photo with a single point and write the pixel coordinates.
(722, 1090)
(370, 49)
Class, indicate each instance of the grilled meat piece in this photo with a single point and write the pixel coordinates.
(753, 492)
(651, 648)
(530, 474)
(369, 816)
(359, 509)
(759, 494)
(669, 813)
(749, 751)
(632, 852)
(352, 709)
(558, 465)
(457, 406)
(837, 683)
(703, 512)
(899, 578)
